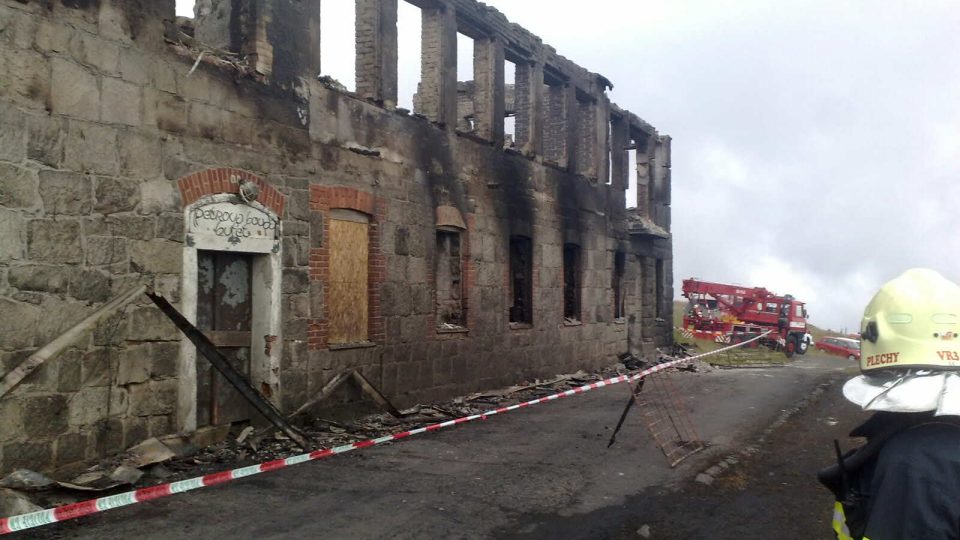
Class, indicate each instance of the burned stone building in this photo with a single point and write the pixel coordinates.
(306, 229)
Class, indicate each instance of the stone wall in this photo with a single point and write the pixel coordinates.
(111, 131)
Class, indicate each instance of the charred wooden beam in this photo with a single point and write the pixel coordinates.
(209, 351)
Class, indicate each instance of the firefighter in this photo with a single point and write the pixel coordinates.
(905, 481)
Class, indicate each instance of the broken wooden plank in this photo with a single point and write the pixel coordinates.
(209, 351)
(48, 351)
(371, 391)
(364, 384)
(324, 393)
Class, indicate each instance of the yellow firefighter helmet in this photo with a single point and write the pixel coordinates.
(912, 322)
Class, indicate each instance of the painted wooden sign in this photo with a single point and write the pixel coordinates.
(231, 226)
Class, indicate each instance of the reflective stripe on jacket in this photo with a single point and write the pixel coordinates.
(904, 484)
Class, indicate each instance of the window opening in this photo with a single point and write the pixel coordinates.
(409, 42)
(510, 101)
(521, 280)
(348, 287)
(466, 85)
(632, 174)
(186, 8)
(609, 151)
(571, 282)
(651, 181)
(449, 281)
(338, 44)
(619, 269)
(209, 22)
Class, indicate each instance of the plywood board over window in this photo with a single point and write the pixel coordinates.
(348, 288)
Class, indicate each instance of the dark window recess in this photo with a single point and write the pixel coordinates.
(521, 280)
(449, 276)
(619, 267)
(660, 285)
(571, 281)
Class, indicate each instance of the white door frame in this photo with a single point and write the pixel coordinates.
(215, 231)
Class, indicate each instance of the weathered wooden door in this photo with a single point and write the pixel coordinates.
(224, 314)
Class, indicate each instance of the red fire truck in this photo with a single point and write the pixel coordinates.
(731, 314)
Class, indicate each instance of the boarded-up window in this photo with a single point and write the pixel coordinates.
(521, 280)
(571, 281)
(449, 276)
(619, 268)
(348, 288)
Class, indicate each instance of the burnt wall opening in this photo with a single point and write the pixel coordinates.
(571, 281)
(521, 280)
(619, 269)
(449, 280)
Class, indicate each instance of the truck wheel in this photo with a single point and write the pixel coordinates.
(802, 345)
(791, 347)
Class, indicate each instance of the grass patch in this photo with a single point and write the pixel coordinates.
(741, 357)
(760, 356)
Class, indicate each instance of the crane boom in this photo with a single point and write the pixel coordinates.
(731, 312)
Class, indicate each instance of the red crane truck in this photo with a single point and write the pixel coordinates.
(731, 313)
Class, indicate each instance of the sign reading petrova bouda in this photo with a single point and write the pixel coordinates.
(231, 224)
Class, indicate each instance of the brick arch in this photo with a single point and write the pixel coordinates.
(323, 197)
(225, 180)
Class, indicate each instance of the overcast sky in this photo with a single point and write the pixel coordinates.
(816, 143)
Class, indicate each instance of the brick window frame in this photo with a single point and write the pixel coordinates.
(323, 199)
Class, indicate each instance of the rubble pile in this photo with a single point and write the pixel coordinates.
(218, 448)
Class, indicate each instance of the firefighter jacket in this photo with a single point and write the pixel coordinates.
(904, 483)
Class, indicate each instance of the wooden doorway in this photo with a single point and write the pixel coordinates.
(224, 314)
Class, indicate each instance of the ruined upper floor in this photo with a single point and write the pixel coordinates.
(559, 111)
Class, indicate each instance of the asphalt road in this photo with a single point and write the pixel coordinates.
(542, 472)
(773, 494)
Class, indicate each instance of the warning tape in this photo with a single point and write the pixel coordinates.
(93, 506)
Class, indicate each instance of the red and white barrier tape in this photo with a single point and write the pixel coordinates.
(85, 508)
